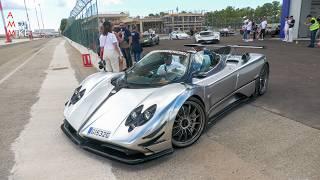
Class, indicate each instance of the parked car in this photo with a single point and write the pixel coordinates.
(207, 37)
(150, 109)
(226, 32)
(178, 35)
(149, 39)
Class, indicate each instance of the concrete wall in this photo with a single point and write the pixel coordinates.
(295, 10)
(305, 11)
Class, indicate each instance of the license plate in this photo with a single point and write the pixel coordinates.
(99, 132)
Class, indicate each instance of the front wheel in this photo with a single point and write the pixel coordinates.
(189, 123)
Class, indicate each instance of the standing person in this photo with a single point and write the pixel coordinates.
(126, 44)
(244, 29)
(263, 26)
(313, 27)
(286, 29)
(292, 21)
(249, 29)
(111, 51)
(101, 42)
(254, 30)
(136, 46)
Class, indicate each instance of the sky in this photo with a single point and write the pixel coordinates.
(54, 10)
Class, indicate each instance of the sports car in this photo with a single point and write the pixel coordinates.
(207, 37)
(178, 35)
(165, 101)
(150, 39)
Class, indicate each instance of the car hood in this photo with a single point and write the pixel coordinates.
(106, 108)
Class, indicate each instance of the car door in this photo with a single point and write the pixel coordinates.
(217, 85)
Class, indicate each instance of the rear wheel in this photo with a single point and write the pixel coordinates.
(189, 123)
(262, 81)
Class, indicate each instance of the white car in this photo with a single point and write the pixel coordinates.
(178, 35)
(207, 37)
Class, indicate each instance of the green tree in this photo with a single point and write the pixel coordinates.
(234, 17)
(163, 13)
(63, 24)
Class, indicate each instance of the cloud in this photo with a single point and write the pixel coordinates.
(61, 3)
(109, 2)
(12, 5)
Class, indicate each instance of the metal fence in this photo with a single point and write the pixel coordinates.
(82, 25)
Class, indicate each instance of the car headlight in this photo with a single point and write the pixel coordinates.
(77, 95)
(139, 118)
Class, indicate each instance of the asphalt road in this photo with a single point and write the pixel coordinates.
(18, 92)
(294, 79)
(269, 138)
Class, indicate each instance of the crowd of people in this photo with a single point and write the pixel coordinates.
(251, 28)
(116, 44)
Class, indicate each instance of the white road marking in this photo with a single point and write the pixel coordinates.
(42, 151)
(20, 66)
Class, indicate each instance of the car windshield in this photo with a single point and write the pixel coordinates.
(206, 33)
(159, 68)
(146, 36)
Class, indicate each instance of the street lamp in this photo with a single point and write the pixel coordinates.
(8, 39)
(29, 25)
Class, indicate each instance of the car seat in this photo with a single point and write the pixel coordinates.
(206, 63)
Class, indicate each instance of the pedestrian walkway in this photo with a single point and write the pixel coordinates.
(42, 151)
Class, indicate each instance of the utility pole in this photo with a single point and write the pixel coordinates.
(8, 39)
(29, 25)
(41, 16)
(35, 8)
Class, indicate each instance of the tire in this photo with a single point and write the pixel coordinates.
(188, 124)
(263, 81)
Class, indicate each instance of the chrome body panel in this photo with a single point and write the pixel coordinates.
(98, 109)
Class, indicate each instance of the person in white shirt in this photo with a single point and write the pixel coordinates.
(249, 29)
(286, 29)
(101, 41)
(244, 29)
(111, 51)
(170, 66)
(263, 26)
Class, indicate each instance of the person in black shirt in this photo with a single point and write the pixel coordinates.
(136, 46)
(126, 44)
(291, 21)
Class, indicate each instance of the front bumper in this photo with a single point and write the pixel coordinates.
(208, 41)
(108, 150)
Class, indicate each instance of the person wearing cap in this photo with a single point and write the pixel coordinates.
(313, 27)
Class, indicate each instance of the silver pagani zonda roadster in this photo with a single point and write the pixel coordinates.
(165, 101)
